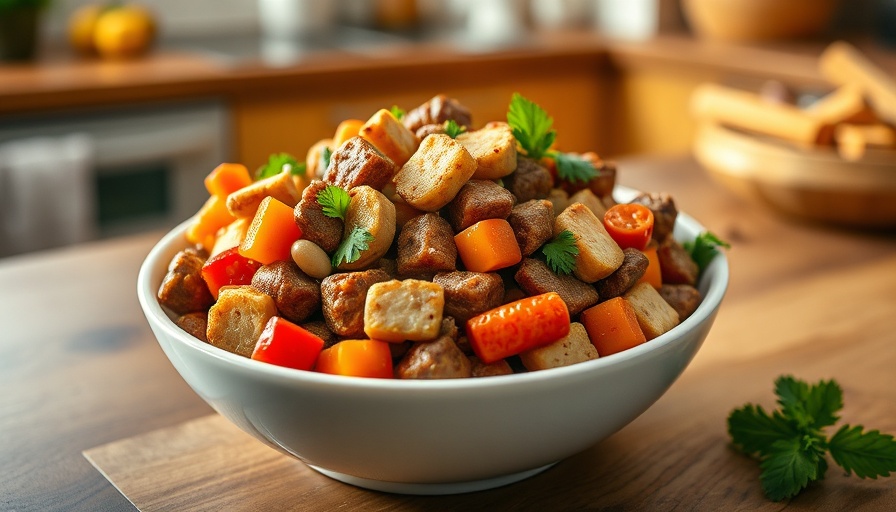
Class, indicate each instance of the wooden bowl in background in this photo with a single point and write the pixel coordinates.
(809, 183)
(757, 20)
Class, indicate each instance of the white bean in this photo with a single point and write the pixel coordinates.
(311, 259)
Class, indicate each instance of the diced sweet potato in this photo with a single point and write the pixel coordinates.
(343, 296)
(425, 247)
(358, 162)
(236, 321)
(316, 227)
(478, 200)
(529, 181)
(532, 223)
(599, 256)
(468, 294)
(536, 278)
(403, 310)
(183, 290)
(244, 202)
(574, 348)
(655, 315)
(634, 264)
(390, 136)
(684, 298)
(435, 173)
(494, 149)
(296, 295)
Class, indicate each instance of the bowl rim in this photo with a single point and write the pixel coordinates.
(714, 279)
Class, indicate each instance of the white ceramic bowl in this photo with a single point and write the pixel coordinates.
(434, 436)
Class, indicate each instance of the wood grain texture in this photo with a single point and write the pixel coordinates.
(84, 371)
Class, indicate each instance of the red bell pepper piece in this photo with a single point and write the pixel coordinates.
(228, 268)
(286, 344)
(518, 326)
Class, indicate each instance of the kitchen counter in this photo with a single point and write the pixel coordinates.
(80, 368)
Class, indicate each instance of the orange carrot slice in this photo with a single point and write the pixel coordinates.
(612, 326)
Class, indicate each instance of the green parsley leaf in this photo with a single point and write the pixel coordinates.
(350, 248)
(574, 168)
(397, 112)
(325, 155)
(704, 248)
(869, 454)
(561, 252)
(754, 431)
(334, 201)
(452, 129)
(791, 445)
(531, 125)
(279, 162)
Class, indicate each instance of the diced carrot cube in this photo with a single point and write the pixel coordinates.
(358, 358)
(227, 178)
(271, 234)
(488, 245)
(653, 275)
(612, 326)
(211, 217)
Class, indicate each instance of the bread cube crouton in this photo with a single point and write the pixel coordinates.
(574, 348)
(655, 315)
(587, 197)
(390, 136)
(404, 310)
(235, 322)
(435, 173)
(599, 256)
(358, 162)
(244, 202)
(494, 149)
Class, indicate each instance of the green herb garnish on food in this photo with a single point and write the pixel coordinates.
(561, 252)
(704, 248)
(397, 112)
(350, 248)
(452, 129)
(790, 442)
(533, 129)
(325, 155)
(279, 162)
(334, 201)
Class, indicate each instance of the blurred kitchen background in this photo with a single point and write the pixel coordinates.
(100, 146)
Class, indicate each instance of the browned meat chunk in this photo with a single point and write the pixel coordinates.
(602, 184)
(536, 278)
(343, 297)
(676, 263)
(664, 213)
(478, 200)
(194, 324)
(426, 246)
(438, 359)
(296, 295)
(183, 290)
(436, 111)
(532, 223)
(469, 293)
(530, 180)
(358, 162)
(429, 129)
(683, 298)
(634, 264)
(317, 227)
(320, 329)
(481, 369)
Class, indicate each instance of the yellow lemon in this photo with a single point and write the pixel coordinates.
(124, 32)
(81, 25)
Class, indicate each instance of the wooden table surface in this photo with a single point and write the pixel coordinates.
(80, 368)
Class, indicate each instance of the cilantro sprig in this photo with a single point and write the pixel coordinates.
(704, 248)
(561, 252)
(397, 111)
(279, 162)
(334, 201)
(533, 130)
(350, 249)
(790, 442)
(452, 129)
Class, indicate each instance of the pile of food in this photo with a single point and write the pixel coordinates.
(412, 245)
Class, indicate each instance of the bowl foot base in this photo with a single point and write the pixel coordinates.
(431, 489)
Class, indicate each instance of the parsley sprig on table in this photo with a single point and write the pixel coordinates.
(279, 162)
(561, 252)
(352, 245)
(790, 442)
(533, 130)
(334, 201)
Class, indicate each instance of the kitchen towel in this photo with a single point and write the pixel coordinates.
(47, 193)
